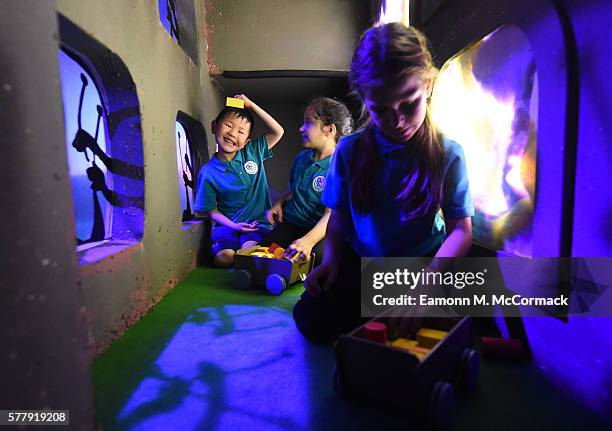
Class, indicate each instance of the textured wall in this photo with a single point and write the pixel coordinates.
(120, 289)
(284, 34)
(573, 354)
(576, 354)
(43, 333)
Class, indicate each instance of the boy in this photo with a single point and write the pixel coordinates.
(232, 186)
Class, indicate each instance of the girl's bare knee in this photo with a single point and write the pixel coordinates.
(224, 258)
(248, 244)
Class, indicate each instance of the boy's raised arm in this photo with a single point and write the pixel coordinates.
(274, 131)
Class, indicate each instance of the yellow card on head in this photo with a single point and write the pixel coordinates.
(236, 103)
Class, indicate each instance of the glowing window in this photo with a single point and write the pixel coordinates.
(395, 11)
(184, 164)
(85, 127)
(486, 99)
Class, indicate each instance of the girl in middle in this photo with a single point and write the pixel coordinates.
(299, 217)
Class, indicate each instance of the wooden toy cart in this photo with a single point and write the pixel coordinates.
(396, 377)
(275, 274)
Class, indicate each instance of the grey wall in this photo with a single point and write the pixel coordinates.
(43, 358)
(57, 315)
(120, 289)
(277, 169)
(285, 34)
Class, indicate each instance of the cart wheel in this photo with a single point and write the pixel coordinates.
(469, 370)
(339, 386)
(275, 284)
(242, 280)
(441, 406)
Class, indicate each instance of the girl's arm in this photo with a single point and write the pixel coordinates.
(274, 131)
(221, 219)
(284, 198)
(305, 244)
(317, 233)
(458, 239)
(335, 238)
(275, 214)
(322, 276)
(456, 244)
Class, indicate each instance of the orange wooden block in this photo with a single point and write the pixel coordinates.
(420, 352)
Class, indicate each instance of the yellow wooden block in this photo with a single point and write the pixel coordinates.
(428, 338)
(235, 103)
(404, 343)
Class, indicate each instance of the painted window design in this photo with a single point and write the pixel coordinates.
(103, 145)
(88, 152)
(179, 20)
(184, 165)
(168, 17)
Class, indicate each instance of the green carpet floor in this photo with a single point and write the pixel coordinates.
(211, 358)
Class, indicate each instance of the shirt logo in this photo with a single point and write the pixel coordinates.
(318, 183)
(251, 167)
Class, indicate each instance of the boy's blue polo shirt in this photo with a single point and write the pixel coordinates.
(382, 232)
(238, 188)
(306, 182)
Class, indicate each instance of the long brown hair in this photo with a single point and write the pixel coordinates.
(387, 52)
(331, 111)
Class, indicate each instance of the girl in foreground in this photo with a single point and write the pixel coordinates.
(387, 182)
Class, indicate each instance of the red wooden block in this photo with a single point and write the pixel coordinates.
(376, 331)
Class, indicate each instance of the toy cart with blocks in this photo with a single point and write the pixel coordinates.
(414, 375)
(256, 267)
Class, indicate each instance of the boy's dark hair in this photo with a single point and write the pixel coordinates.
(331, 111)
(244, 114)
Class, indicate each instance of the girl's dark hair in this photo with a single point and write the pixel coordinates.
(244, 114)
(331, 111)
(393, 51)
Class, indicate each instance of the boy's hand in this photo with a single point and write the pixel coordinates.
(275, 214)
(247, 102)
(321, 278)
(246, 227)
(299, 249)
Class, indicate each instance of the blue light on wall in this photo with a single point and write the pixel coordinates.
(576, 356)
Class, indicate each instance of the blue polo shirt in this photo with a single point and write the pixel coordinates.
(306, 182)
(238, 188)
(382, 232)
